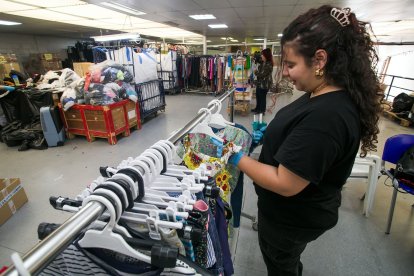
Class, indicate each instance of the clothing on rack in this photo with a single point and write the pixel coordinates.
(140, 197)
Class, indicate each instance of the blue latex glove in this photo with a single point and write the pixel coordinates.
(258, 135)
(235, 158)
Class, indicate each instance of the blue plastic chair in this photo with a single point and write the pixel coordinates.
(394, 148)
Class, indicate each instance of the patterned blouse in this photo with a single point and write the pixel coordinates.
(264, 75)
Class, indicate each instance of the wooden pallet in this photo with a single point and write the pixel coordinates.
(111, 137)
(392, 116)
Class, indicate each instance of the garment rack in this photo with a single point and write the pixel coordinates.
(47, 250)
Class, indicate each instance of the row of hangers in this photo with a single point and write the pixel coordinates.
(140, 179)
(136, 191)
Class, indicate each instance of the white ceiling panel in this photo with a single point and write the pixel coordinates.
(88, 11)
(244, 17)
(254, 12)
(281, 2)
(213, 4)
(46, 15)
(52, 3)
(225, 13)
(277, 11)
(178, 5)
(246, 3)
(299, 9)
(7, 6)
(172, 15)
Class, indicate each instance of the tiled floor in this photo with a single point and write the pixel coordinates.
(356, 246)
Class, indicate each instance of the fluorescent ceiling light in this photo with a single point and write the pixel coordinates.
(51, 3)
(9, 23)
(124, 36)
(279, 35)
(85, 11)
(234, 40)
(218, 26)
(7, 6)
(82, 13)
(208, 40)
(122, 8)
(46, 14)
(202, 16)
(258, 39)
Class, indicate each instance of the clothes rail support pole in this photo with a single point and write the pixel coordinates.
(45, 251)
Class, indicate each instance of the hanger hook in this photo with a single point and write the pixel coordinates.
(207, 111)
(216, 103)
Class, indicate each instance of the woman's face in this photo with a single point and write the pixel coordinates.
(298, 72)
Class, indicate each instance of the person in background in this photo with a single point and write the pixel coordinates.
(264, 80)
(310, 146)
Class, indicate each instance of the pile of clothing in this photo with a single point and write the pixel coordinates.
(107, 83)
(66, 81)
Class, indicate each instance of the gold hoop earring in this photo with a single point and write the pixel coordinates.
(319, 72)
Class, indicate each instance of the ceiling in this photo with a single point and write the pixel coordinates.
(392, 20)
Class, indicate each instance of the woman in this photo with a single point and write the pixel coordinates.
(310, 146)
(264, 80)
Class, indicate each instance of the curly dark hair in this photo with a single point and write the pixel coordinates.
(350, 64)
(267, 53)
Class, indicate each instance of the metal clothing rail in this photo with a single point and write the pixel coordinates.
(44, 252)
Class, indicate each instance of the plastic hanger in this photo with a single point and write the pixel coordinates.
(203, 127)
(106, 238)
(217, 120)
(200, 173)
(158, 159)
(132, 184)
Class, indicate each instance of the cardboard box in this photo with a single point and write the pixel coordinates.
(7, 58)
(12, 197)
(81, 68)
(7, 67)
(42, 63)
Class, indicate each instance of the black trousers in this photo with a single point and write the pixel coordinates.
(282, 246)
(261, 99)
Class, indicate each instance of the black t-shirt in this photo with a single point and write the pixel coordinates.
(317, 139)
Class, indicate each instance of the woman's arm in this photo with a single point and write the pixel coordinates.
(279, 180)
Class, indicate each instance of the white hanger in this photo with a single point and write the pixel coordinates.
(118, 204)
(203, 127)
(158, 178)
(146, 208)
(106, 238)
(132, 184)
(201, 173)
(217, 120)
(153, 170)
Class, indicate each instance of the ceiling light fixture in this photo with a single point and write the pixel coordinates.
(202, 16)
(124, 36)
(218, 26)
(279, 35)
(234, 40)
(9, 23)
(258, 39)
(122, 8)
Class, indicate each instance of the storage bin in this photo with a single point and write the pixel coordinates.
(101, 121)
(151, 97)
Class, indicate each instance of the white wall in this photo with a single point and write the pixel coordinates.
(401, 64)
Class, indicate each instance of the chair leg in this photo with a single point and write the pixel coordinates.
(391, 211)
